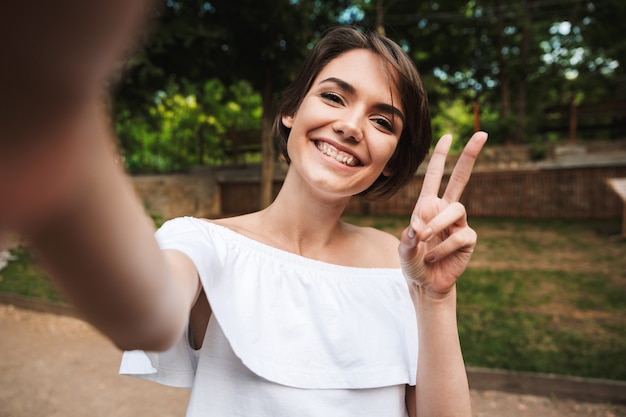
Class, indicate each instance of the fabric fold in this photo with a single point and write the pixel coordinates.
(291, 320)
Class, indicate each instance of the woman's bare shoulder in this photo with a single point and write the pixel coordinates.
(235, 222)
(246, 225)
(376, 248)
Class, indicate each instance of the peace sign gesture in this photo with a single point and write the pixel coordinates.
(436, 247)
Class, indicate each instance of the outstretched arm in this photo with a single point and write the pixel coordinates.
(434, 251)
(58, 54)
(77, 210)
(60, 187)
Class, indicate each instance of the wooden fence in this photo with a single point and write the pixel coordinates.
(568, 193)
(587, 118)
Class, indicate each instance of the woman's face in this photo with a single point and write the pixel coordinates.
(347, 126)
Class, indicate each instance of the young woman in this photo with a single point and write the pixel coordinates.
(299, 313)
(287, 311)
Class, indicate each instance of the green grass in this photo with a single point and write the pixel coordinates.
(23, 277)
(543, 321)
(539, 295)
(543, 296)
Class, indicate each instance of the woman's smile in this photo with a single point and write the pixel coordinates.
(347, 126)
(332, 152)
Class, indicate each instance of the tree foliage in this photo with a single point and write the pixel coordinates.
(514, 59)
(189, 126)
(261, 41)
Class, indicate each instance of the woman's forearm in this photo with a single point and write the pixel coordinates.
(98, 245)
(442, 387)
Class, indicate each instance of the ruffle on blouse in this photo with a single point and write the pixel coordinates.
(291, 320)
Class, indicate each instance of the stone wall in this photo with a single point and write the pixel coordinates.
(168, 196)
(200, 193)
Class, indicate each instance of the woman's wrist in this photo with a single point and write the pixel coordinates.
(427, 295)
(428, 303)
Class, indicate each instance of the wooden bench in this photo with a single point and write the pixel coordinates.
(619, 186)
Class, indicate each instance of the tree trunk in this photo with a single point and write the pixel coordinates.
(380, 17)
(234, 145)
(267, 147)
(522, 97)
(504, 83)
(573, 119)
(200, 139)
(476, 114)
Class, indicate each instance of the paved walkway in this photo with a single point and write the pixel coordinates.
(58, 366)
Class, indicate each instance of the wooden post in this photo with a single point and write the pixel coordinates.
(573, 119)
(380, 18)
(476, 109)
(624, 222)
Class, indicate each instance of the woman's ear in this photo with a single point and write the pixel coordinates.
(287, 121)
(388, 171)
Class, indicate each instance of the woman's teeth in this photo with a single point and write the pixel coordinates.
(340, 156)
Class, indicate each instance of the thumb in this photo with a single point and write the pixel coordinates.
(411, 253)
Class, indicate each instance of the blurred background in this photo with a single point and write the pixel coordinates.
(546, 289)
(545, 78)
(201, 89)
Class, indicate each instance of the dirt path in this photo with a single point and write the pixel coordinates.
(58, 366)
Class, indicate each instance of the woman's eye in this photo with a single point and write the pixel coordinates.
(384, 123)
(334, 97)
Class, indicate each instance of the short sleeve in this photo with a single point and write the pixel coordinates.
(187, 235)
(176, 366)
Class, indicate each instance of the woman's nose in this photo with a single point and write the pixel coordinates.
(350, 126)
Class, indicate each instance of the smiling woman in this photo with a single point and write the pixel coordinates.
(288, 310)
(285, 291)
(397, 73)
(347, 115)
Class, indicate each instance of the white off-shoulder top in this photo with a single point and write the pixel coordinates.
(289, 336)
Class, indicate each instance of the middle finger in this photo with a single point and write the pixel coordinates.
(435, 169)
(463, 168)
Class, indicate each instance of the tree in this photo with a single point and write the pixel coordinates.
(263, 42)
(264, 46)
(511, 54)
(515, 59)
(189, 126)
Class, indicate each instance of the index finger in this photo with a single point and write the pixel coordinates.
(463, 168)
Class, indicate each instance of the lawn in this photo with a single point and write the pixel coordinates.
(22, 276)
(539, 295)
(560, 298)
(543, 296)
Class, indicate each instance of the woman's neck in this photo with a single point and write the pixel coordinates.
(301, 225)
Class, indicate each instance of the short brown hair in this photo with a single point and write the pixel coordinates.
(416, 135)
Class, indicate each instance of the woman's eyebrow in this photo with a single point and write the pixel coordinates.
(349, 88)
(341, 83)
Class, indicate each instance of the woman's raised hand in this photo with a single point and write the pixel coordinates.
(62, 56)
(436, 247)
